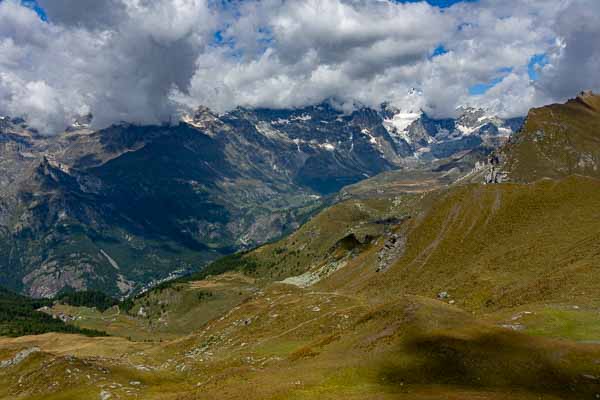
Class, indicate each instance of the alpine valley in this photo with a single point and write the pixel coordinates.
(124, 208)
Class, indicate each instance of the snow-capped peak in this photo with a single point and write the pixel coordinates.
(398, 124)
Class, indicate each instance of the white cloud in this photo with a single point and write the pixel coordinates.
(141, 60)
(122, 69)
(575, 60)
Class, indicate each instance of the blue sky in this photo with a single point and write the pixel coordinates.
(482, 88)
(537, 61)
(33, 4)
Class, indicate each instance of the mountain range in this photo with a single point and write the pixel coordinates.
(123, 208)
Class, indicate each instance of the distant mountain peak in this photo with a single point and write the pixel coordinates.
(433, 138)
(203, 118)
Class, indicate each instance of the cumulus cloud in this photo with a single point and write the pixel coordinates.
(575, 60)
(120, 66)
(143, 61)
(318, 49)
(96, 14)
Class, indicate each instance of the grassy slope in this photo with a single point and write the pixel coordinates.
(170, 312)
(303, 344)
(317, 239)
(557, 141)
(503, 245)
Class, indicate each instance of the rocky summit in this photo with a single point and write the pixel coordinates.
(124, 208)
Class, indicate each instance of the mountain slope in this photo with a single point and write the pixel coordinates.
(557, 141)
(489, 246)
(500, 246)
(519, 257)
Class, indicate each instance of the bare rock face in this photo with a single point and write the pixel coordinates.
(19, 357)
(392, 250)
(495, 173)
(51, 278)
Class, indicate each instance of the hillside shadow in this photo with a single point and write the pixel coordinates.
(498, 360)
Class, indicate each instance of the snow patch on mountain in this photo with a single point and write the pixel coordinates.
(468, 130)
(372, 138)
(327, 146)
(399, 123)
(303, 117)
(280, 121)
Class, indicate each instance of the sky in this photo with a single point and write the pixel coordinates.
(148, 61)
